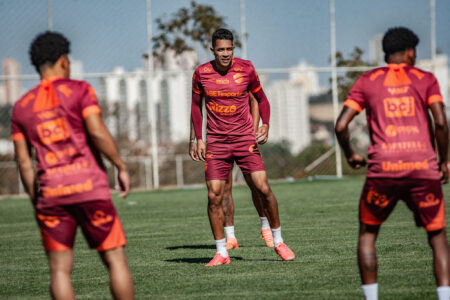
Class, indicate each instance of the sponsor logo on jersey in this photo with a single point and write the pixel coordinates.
(430, 200)
(48, 114)
(64, 190)
(222, 81)
(393, 130)
(400, 165)
(223, 110)
(377, 199)
(398, 90)
(69, 169)
(238, 69)
(409, 146)
(223, 94)
(53, 131)
(207, 69)
(52, 158)
(399, 107)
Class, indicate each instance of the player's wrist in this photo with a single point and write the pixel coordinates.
(193, 140)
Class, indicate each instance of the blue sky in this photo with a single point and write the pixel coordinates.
(109, 33)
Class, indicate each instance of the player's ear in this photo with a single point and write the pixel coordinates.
(212, 49)
(64, 63)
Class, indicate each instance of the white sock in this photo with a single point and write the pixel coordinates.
(277, 236)
(221, 247)
(370, 291)
(264, 223)
(443, 292)
(229, 231)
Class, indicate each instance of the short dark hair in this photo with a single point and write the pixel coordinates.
(222, 34)
(47, 48)
(398, 39)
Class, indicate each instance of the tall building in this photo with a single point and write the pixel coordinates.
(376, 54)
(127, 99)
(11, 87)
(289, 102)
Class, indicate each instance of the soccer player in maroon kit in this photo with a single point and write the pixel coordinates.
(227, 200)
(402, 161)
(225, 83)
(60, 118)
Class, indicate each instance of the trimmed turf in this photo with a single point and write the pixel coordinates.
(169, 241)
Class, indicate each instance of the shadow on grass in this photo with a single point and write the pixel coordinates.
(199, 260)
(192, 247)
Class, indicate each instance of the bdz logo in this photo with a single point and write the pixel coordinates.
(399, 107)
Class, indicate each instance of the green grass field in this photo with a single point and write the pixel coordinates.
(169, 241)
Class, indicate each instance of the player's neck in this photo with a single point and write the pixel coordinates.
(52, 73)
(220, 68)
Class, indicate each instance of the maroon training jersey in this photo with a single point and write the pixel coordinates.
(226, 99)
(50, 117)
(396, 99)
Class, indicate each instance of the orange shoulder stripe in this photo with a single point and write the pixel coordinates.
(19, 136)
(434, 98)
(257, 89)
(196, 91)
(353, 105)
(90, 110)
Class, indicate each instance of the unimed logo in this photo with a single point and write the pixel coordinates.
(399, 107)
(53, 131)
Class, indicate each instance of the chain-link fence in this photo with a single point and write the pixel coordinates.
(141, 105)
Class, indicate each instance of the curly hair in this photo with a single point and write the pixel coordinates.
(47, 48)
(398, 39)
(222, 34)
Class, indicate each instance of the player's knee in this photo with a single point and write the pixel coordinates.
(265, 189)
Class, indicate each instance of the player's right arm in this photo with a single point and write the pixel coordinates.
(26, 170)
(192, 144)
(352, 106)
(196, 114)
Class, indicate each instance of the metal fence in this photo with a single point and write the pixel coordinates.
(147, 109)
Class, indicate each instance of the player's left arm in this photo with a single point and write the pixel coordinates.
(441, 135)
(355, 160)
(26, 169)
(255, 88)
(254, 110)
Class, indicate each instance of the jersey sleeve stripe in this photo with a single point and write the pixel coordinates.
(19, 136)
(434, 98)
(257, 89)
(196, 91)
(90, 110)
(353, 105)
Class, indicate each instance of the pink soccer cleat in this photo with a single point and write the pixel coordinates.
(218, 260)
(284, 252)
(266, 234)
(232, 243)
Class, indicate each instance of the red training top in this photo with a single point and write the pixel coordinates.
(226, 99)
(396, 99)
(50, 117)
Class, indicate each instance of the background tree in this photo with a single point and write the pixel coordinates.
(346, 81)
(188, 28)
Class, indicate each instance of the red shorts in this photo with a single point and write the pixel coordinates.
(98, 220)
(423, 197)
(221, 156)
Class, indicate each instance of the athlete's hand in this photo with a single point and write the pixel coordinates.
(124, 182)
(356, 161)
(444, 172)
(262, 134)
(201, 150)
(193, 150)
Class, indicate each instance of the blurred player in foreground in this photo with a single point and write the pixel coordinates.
(225, 83)
(61, 120)
(402, 160)
(227, 201)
